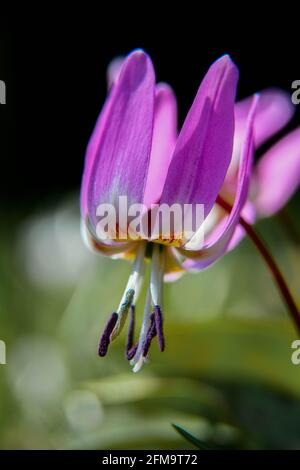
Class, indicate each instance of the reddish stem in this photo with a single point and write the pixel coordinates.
(275, 271)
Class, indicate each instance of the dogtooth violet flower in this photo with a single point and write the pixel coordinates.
(135, 151)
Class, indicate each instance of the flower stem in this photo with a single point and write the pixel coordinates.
(271, 263)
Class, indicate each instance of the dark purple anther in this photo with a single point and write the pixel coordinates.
(104, 341)
(131, 352)
(129, 342)
(150, 335)
(159, 327)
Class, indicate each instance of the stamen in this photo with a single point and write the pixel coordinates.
(122, 313)
(139, 363)
(131, 352)
(130, 335)
(156, 282)
(152, 324)
(159, 327)
(155, 275)
(131, 291)
(138, 288)
(144, 330)
(127, 302)
(104, 341)
(150, 335)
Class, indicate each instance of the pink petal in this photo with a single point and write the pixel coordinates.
(163, 142)
(204, 146)
(121, 143)
(222, 236)
(278, 174)
(249, 214)
(90, 156)
(107, 248)
(274, 111)
(114, 70)
(173, 268)
(172, 277)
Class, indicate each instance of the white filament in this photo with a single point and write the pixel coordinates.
(154, 278)
(161, 278)
(136, 276)
(154, 297)
(134, 284)
(157, 273)
(136, 361)
(137, 289)
(139, 364)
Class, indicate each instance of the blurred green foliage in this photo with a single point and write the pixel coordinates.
(226, 374)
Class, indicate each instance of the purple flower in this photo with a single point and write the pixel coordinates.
(274, 178)
(135, 151)
(277, 174)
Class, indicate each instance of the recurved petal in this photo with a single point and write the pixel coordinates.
(221, 237)
(204, 146)
(173, 268)
(173, 276)
(278, 174)
(274, 111)
(249, 214)
(122, 144)
(108, 247)
(163, 142)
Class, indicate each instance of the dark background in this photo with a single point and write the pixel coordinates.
(56, 84)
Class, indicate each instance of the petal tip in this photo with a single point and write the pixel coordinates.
(228, 66)
(138, 55)
(226, 59)
(281, 100)
(140, 64)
